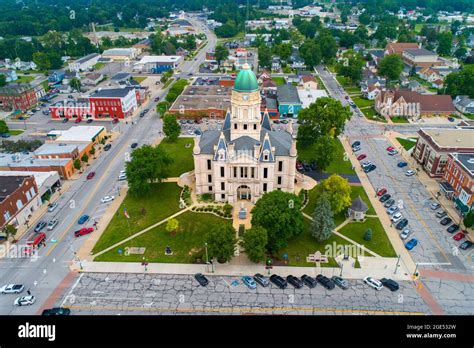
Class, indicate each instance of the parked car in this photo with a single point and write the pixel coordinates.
(402, 164)
(440, 214)
(262, 280)
(453, 228)
(12, 289)
(107, 147)
(435, 205)
(52, 206)
(465, 245)
(405, 233)
(45, 112)
(249, 282)
(56, 311)
(309, 281)
(411, 244)
(397, 217)
(401, 224)
(390, 148)
(340, 282)
(157, 99)
(366, 164)
(381, 192)
(90, 175)
(392, 210)
(134, 145)
(5, 135)
(122, 177)
(78, 120)
(115, 121)
(107, 199)
(66, 120)
(373, 283)
(90, 120)
(410, 172)
(458, 236)
(83, 231)
(445, 221)
(52, 224)
(39, 226)
(296, 282)
(356, 148)
(361, 157)
(278, 281)
(201, 278)
(389, 203)
(370, 169)
(385, 197)
(83, 219)
(325, 281)
(391, 284)
(25, 301)
(393, 152)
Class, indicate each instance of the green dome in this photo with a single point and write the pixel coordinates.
(246, 80)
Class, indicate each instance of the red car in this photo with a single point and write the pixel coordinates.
(361, 157)
(390, 148)
(83, 231)
(78, 120)
(115, 121)
(90, 175)
(381, 192)
(458, 236)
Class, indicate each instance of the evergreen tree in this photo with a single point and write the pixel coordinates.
(323, 224)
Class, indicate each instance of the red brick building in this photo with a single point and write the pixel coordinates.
(459, 175)
(17, 97)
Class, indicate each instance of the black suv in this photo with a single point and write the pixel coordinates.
(278, 281)
(325, 281)
(401, 224)
(56, 311)
(385, 197)
(297, 283)
(262, 280)
(107, 147)
(446, 221)
(201, 278)
(309, 281)
(389, 283)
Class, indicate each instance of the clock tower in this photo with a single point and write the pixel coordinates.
(245, 106)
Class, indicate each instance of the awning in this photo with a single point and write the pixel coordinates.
(461, 206)
(446, 187)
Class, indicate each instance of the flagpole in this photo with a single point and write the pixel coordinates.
(127, 217)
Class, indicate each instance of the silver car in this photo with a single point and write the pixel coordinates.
(52, 224)
(341, 282)
(405, 233)
(392, 210)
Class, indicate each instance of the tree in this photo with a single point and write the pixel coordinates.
(85, 158)
(338, 191)
(445, 43)
(3, 126)
(226, 30)
(255, 242)
(327, 44)
(469, 219)
(75, 84)
(325, 116)
(323, 224)
(391, 66)
(3, 80)
(41, 59)
(324, 149)
(461, 82)
(264, 56)
(279, 213)
(10, 231)
(92, 151)
(368, 235)
(172, 225)
(171, 127)
(77, 164)
(148, 165)
(221, 242)
(283, 51)
(310, 51)
(221, 53)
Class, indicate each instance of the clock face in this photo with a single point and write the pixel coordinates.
(245, 97)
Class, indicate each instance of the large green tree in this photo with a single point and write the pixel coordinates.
(171, 127)
(445, 43)
(221, 53)
(391, 66)
(338, 190)
(255, 243)
(264, 56)
(148, 165)
(324, 150)
(326, 116)
(323, 224)
(461, 82)
(221, 242)
(279, 213)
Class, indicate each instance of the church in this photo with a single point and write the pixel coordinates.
(246, 158)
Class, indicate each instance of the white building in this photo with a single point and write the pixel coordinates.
(121, 53)
(84, 63)
(157, 63)
(246, 158)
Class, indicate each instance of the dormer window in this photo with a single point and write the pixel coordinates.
(266, 154)
(221, 155)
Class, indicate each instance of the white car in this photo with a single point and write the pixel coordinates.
(405, 233)
(52, 206)
(410, 172)
(366, 164)
(52, 224)
(434, 206)
(25, 301)
(397, 217)
(107, 199)
(373, 283)
(12, 289)
(122, 177)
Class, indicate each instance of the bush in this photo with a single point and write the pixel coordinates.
(368, 235)
(227, 208)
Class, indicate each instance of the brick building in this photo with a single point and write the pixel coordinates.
(459, 180)
(17, 97)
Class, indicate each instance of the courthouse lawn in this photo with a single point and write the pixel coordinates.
(187, 244)
(407, 143)
(161, 202)
(337, 166)
(182, 156)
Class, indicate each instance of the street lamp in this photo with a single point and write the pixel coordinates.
(207, 258)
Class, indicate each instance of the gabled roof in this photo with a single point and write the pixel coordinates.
(221, 145)
(430, 103)
(267, 146)
(399, 47)
(266, 121)
(359, 205)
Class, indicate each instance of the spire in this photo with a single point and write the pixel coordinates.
(227, 120)
(266, 150)
(221, 148)
(266, 120)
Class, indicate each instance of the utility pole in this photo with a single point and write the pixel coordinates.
(398, 264)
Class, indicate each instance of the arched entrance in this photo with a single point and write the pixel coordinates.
(243, 192)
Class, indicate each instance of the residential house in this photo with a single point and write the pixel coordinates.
(429, 74)
(415, 86)
(438, 84)
(400, 47)
(269, 85)
(276, 64)
(10, 75)
(182, 52)
(265, 75)
(377, 55)
(464, 104)
(372, 92)
(93, 79)
(288, 100)
(308, 82)
(56, 77)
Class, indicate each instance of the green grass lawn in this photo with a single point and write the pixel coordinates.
(23, 79)
(15, 131)
(338, 165)
(187, 244)
(379, 243)
(372, 115)
(407, 143)
(98, 66)
(161, 202)
(469, 116)
(362, 102)
(301, 246)
(182, 157)
(352, 90)
(139, 79)
(44, 84)
(399, 119)
(279, 80)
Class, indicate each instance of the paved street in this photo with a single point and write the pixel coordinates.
(170, 294)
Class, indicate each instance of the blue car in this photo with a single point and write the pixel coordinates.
(83, 219)
(411, 243)
(402, 164)
(249, 282)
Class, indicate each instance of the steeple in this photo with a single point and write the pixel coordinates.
(266, 121)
